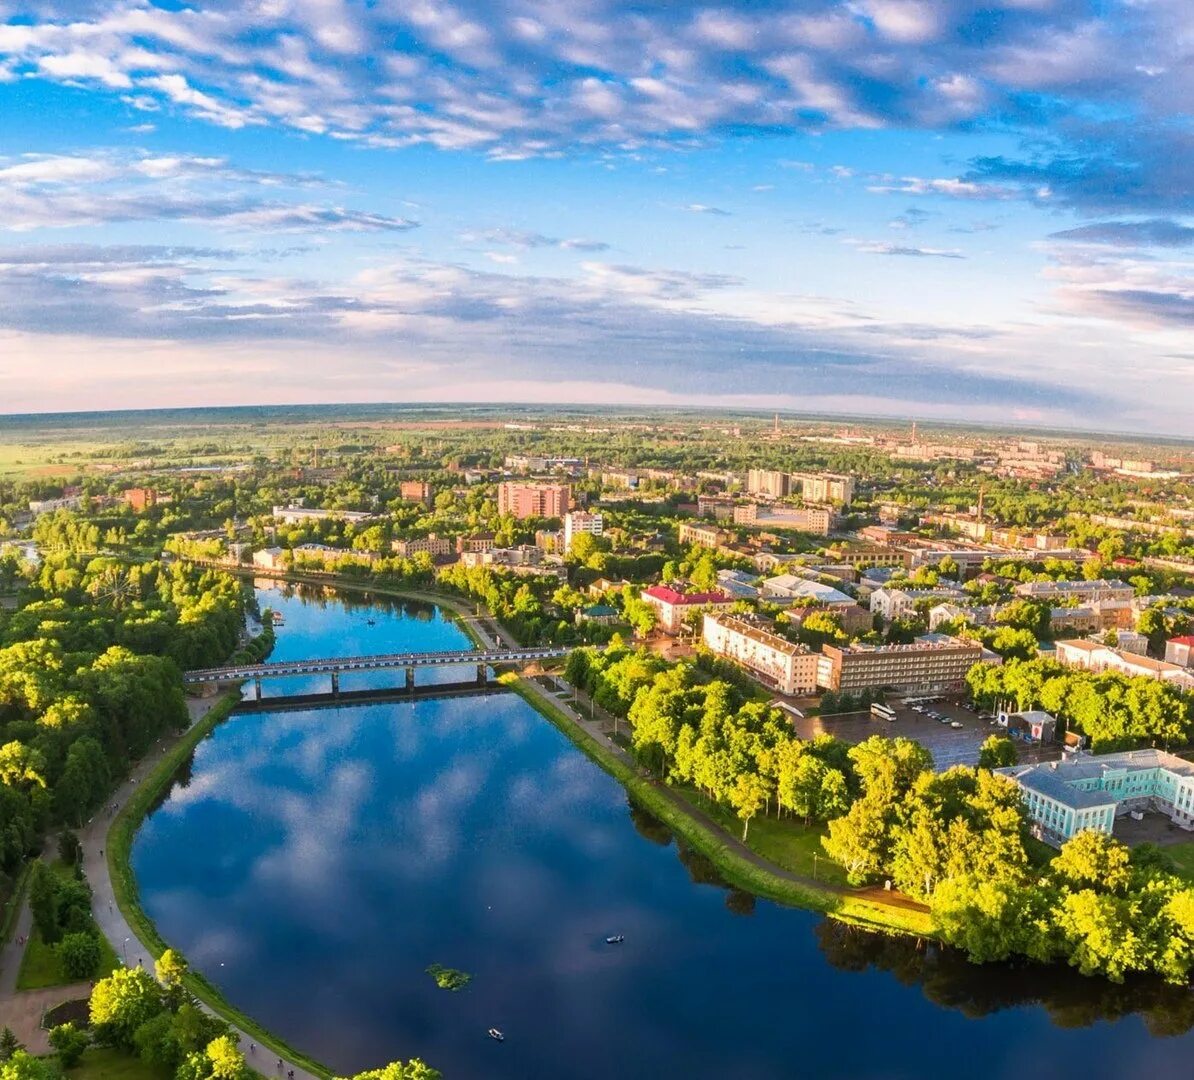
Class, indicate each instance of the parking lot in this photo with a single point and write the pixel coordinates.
(948, 745)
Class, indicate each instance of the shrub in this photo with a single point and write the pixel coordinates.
(80, 954)
(70, 1042)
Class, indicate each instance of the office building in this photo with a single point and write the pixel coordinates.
(672, 605)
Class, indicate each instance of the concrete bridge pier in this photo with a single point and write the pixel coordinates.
(482, 674)
(410, 679)
(257, 688)
(335, 684)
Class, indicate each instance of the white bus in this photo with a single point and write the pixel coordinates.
(879, 711)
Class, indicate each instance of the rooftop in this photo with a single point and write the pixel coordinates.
(672, 596)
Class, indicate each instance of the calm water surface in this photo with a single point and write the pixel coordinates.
(330, 855)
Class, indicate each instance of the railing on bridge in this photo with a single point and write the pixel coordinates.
(335, 665)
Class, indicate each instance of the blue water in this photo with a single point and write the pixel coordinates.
(313, 863)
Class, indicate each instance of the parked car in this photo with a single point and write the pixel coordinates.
(956, 724)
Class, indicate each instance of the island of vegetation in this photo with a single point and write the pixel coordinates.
(447, 978)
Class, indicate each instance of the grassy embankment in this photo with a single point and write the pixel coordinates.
(124, 883)
(40, 965)
(733, 866)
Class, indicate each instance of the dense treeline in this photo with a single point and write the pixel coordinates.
(701, 732)
(1115, 712)
(957, 840)
(90, 679)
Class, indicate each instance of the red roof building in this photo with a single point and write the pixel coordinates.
(1180, 650)
(671, 605)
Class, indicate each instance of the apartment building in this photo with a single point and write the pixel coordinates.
(1097, 657)
(435, 546)
(896, 603)
(478, 542)
(529, 500)
(1083, 592)
(709, 536)
(824, 487)
(924, 666)
(581, 521)
(769, 482)
(415, 491)
(671, 605)
(773, 660)
(819, 520)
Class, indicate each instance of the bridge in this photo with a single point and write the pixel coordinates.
(408, 662)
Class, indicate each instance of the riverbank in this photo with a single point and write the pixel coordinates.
(741, 866)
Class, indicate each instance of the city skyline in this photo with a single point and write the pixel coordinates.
(953, 211)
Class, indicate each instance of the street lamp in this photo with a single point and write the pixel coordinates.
(124, 949)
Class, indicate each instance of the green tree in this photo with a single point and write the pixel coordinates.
(171, 969)
(996, 752)
(415, 1069)
(69, 1042)
(24, 1066)
(9, 1044)
(43, 902)
(70, 851)
(748, 796)
(80, 954)
(121, 1003)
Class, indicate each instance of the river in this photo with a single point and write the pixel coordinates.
(313, 863)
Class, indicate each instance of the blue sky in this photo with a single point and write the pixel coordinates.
(934, 209)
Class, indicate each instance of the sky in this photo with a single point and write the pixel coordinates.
(912, 208)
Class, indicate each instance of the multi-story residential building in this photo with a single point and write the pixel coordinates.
(140, 498)
(671, 605)
(48, 506)
(947, 612)
(435, 546)
(1097, 657)
(924, 666)
(529, 500)
(769, 482)
(415, 491)
(825, 487)
(716, 507)
(1065, 797)
(1180, 651)
(709, 536)
(478, 542)
(301, 515)
(895, 603)
(819, 520)
(581, 521)
(1083, 592)
(773, 660)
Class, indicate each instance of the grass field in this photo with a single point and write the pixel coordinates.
(106, 1063)
(1182, 856)
(789, 844)
(40, 966)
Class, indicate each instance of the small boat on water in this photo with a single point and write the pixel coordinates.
(278, 618)
(496, 1035)
(615, 939)
(370, 622)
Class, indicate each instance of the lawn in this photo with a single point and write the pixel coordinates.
(40, 966)
(1182, 856)
(105, 1063)
(789, 844)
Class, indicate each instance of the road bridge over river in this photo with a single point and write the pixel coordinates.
(409, 662)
